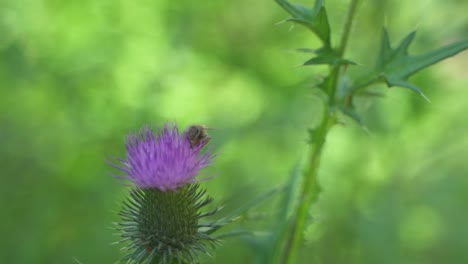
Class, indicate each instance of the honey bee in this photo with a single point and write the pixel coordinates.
(197, 134)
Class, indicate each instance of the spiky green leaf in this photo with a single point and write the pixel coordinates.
(351, 113)
(328, 56)
(395, 65)
(315, 19)
(392, 81)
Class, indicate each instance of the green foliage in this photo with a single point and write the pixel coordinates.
(328, 56)
(395, 66)
(314, 19)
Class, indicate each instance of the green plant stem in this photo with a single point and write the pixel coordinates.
(342, 47)
(347, 27)
(309, 187)
(309, 191)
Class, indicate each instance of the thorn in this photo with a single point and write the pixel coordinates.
(281, 22)
(426, 98)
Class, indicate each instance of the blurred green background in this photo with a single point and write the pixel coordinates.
(76, 76)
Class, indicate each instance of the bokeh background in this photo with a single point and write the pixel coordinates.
(76, 76)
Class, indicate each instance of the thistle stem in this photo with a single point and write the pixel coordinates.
(347, 27)
(309, 188)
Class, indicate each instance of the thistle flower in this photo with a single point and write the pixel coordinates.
(165, 161)
(161, 218)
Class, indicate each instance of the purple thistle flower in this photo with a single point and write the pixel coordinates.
(164, 161)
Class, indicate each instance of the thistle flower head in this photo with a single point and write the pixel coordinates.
(165, 160)
(161, 221)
